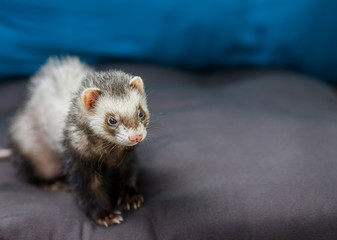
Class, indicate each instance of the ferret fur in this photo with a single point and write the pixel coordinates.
(63, 129)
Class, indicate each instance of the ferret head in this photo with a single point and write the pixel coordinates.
(115, 107)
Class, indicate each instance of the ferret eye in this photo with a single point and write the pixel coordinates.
(141, 114)
(112, 121)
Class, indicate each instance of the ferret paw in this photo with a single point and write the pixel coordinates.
(131, 201)
(107, 219)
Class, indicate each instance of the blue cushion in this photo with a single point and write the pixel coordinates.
(298, 35)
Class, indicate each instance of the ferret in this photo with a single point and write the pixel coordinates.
(83, 125)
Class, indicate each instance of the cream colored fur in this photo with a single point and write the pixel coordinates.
(38, 128)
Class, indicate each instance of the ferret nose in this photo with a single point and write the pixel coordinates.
(135, 138)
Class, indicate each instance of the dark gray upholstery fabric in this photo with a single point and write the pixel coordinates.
(235, 154)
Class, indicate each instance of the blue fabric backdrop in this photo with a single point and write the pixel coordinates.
(294, 34)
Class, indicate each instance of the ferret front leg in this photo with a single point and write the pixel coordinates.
(92, 193)
(129, 195)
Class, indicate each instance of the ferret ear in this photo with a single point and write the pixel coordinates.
(89, 97)
(137, 82)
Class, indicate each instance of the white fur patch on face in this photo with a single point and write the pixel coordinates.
(79, 141)
(122, 137)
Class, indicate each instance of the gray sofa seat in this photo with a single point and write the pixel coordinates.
(231, 154)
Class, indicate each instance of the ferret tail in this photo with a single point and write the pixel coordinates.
(5, 154)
